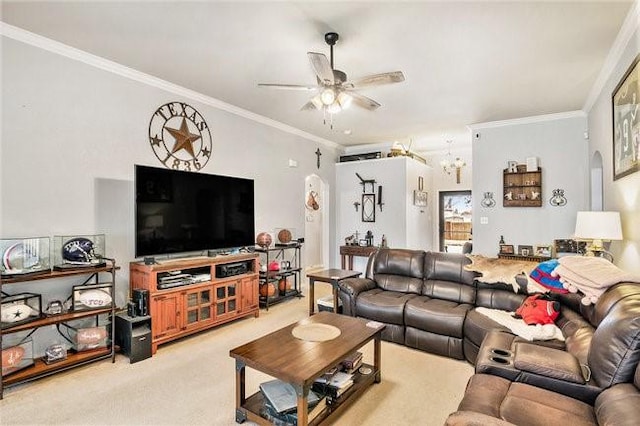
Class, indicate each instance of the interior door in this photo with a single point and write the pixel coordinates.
(455, 227)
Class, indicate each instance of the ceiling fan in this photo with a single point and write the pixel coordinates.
(333, 91)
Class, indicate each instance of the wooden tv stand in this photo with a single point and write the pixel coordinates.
(229, 293)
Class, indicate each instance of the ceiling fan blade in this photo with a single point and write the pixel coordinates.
(375, 80)
(287, 86)
(308, 106)
(322, 68)
(363, 101)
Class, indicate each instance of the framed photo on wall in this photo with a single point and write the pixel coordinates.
(420, 198)
(626, 122)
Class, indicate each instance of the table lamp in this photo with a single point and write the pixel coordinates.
(597, 227)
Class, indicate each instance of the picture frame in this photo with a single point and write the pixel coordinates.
(420, 198)
(525, 250)
(506, 249)
(625, 103)
(90, 297)
(543, 250)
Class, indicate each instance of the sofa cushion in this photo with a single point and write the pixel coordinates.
(439, 344)
(382, 305)
(399, 270)
(436, 315)
(476, 327)
(615, 346)
(445, 278)
(523, 404)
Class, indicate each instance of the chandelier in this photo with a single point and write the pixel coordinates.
(449, 165)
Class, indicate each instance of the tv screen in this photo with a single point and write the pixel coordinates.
(179, 212)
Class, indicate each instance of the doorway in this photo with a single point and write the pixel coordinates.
(316, 229)
(455, 212)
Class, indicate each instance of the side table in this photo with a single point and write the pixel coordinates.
(347, 253)
(331, 276)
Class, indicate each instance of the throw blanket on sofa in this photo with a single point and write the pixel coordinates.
(592, 276)
(519, 328)
(495, 270)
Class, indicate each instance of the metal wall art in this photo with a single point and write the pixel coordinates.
(558, 199)
(488, 200)
(179, 136)
(368, 207)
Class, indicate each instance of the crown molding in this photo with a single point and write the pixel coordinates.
(27, 37)
(628, 28)
(527, 120)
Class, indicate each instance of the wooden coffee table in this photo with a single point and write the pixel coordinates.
(300, 362)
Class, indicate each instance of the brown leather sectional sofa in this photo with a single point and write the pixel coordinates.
(427, 300)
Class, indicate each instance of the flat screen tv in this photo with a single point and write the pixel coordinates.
(182, 212)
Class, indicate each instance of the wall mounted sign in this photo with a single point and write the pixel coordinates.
(626, 122)
(180, 137)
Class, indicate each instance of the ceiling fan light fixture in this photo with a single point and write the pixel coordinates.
(344, 99)
(328, 96)
(334, 108)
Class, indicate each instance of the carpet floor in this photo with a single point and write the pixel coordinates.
(192, 382)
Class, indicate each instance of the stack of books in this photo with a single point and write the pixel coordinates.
(351, 363)
(334, 386)
(281, 404)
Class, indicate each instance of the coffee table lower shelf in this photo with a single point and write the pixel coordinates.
(255, 402)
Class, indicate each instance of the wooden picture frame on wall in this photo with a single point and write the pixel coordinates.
(625, 102)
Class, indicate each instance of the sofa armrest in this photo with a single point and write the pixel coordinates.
(348, 291)
(547, 362)
(618, 405)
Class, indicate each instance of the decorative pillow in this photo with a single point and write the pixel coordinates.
(538, 309)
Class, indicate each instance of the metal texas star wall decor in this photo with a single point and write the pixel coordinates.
(180, 137)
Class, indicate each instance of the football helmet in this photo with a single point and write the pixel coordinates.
(80, 250)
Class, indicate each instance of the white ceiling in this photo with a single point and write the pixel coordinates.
(464, 62)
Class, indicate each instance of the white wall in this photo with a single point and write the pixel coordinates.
(72, 133)
(398, 177)
(622, 195)
(558, 142)
(419, 221)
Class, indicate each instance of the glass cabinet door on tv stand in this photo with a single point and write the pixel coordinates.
(277, 285)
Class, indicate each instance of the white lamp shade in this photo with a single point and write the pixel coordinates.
(598, 226)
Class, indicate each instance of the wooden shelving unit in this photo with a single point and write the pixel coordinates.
(522, 188)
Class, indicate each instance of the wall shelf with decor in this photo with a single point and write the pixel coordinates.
(91, 342)
(522, 188)
(275, 285)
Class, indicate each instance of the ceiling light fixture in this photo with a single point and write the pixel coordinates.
(449, 165)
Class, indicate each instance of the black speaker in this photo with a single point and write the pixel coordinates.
(134, 336)
(141, 301)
